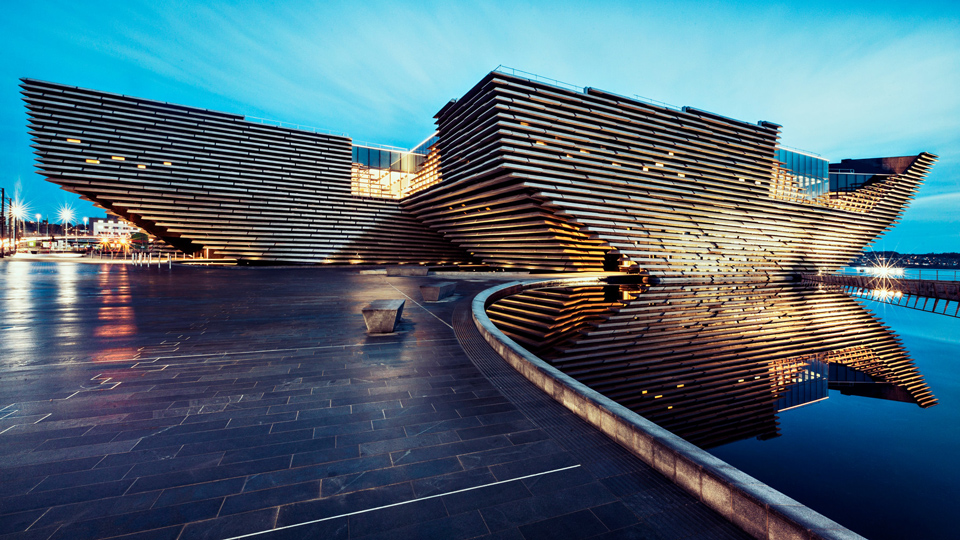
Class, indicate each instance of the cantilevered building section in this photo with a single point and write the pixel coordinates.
(539, 176)
(521, 174)
(200, 179)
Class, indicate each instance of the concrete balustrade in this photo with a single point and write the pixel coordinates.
(753, 506)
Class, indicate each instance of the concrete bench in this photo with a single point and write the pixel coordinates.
(382, 316)
(435, 292)
(403, 270)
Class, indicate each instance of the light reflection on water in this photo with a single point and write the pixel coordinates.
(64, 312)
(115, 316)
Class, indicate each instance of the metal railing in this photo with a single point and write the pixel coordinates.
(537, 78)
(291, 125)
(799, 150)
(568, 86)
(934, 274)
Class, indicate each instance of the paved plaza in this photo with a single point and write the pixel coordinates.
(189, 402)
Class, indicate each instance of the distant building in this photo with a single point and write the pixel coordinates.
(111, 227)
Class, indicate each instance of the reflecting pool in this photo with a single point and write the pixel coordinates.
(848, 406)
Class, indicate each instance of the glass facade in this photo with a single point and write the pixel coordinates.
(809, 173)
(393, 160)
(808, 382)
(392, 173)
(843, 181)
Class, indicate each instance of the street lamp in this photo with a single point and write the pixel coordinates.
(18, 211)
(65, 216)
(86, 230)
(38, 224)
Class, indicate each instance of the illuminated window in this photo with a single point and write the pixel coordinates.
(658, 164)
(524, 124)
(670, 153)
(73, 140)
(118, 158)
(645, 169)
(141, 166)
(584, 152)
(541, 142)
(681, 175)
(167, 163)
(92, 161)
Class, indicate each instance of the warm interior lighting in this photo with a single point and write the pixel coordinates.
(681, 175)
(541, 143)
(141, 166)
(74, 140)
(658, 164)
(167, 163)
(92, 160)
(118, 158)
(524, 124)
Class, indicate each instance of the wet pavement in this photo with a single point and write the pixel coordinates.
(221, 402)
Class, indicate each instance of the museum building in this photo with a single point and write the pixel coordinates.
(521, 173)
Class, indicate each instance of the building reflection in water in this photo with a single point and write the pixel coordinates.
(713, 363)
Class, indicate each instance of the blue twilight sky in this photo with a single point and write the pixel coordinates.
(844, 78)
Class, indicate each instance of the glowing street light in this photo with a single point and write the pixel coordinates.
(65, 216)
(38, 223)
(19, 209)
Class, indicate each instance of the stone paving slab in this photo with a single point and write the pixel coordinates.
(220, 402)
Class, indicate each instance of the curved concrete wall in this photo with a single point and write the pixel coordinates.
(755, 507)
